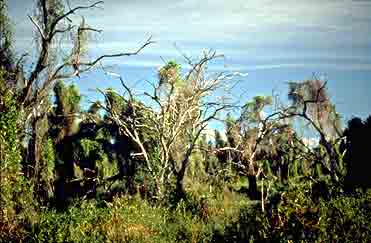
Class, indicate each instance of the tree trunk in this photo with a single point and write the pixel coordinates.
(284, 170)
(35, 164)
(179, 189)
(180, 192)
(33, 154)
(253, 187)
(333, 156)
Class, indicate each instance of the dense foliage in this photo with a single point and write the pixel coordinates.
(134, 169)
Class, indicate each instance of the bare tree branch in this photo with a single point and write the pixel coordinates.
(72, 11)
(41, 32)
(92, 63)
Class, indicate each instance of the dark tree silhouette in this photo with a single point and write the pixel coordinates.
(357, 154)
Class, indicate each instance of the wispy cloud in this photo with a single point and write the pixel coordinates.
(328, 66)
(157, 62)
(259, 23)
(222, 19)
(331, 35)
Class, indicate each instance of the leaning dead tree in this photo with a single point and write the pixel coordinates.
(180, 110)
(252, 133)
(311, 104)
(252, 136)
(53, 24)
(55, 59)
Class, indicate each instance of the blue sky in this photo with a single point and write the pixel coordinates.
(274, 41)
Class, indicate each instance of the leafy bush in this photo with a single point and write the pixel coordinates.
(124, 220)
(346, 219)
(16, 198)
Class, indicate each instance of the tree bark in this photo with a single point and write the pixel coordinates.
(253, 187)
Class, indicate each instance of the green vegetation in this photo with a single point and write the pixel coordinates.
(132, 170)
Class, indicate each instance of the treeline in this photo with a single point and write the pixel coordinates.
(144, 168)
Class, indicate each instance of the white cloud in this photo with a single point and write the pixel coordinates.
(310, 142)
(219, 19)
(240, 28)
(192, 19)
(327, 66)
(315, 66)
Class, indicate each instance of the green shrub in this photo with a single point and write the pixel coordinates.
(126, 219)
(295, 217)
(346, 219)
(16, 200)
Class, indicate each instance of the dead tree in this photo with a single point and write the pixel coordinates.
(53, 23)
(312, 104)
(253, 139)
(180, 110)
